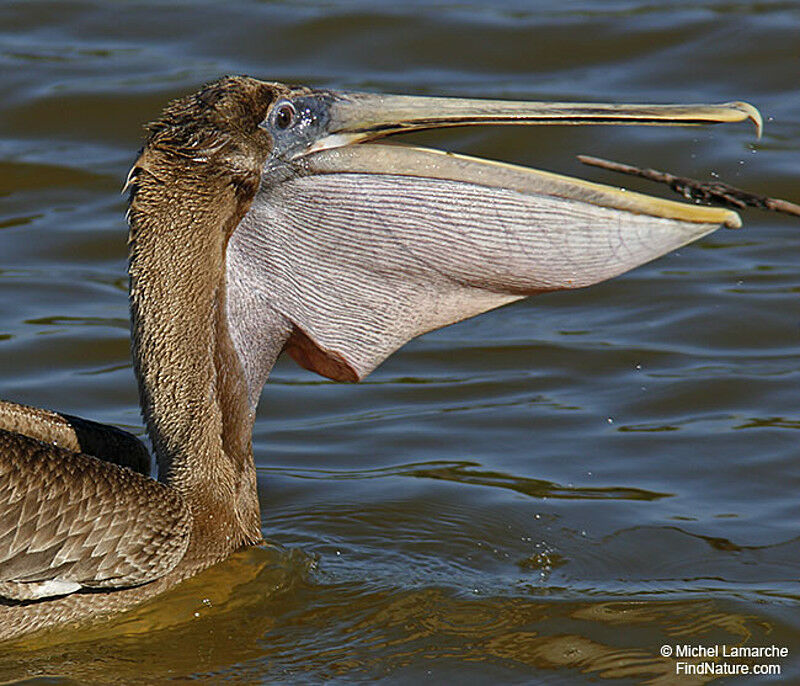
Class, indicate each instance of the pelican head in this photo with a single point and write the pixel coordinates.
(354, 247)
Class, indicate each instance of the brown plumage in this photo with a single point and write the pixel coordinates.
(77, 435)
(257, 225)
(66, 513)
(74, 521)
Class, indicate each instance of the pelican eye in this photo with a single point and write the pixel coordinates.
(284, 116)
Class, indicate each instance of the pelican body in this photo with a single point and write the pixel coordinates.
(265, 219)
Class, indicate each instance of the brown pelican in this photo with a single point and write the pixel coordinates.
(263, 220)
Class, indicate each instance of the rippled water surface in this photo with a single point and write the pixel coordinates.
(545, 494)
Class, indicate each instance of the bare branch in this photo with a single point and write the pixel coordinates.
(698, 191)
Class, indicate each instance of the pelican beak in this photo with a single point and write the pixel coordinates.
(363, 247)
(358, 117)
(343, 119)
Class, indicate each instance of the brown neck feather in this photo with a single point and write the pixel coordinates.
(193, 393)
(191, 186)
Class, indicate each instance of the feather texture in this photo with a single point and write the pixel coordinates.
(70, 521)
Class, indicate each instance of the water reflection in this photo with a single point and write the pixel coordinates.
(261, 607)
(468, 473)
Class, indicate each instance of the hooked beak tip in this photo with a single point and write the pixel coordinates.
(750, 113)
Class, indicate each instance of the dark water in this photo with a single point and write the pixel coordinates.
(545, 494)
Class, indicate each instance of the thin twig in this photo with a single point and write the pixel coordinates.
(698, 191)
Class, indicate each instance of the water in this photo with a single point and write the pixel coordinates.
(545, 494)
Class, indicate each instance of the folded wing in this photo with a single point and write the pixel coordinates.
(69, 521)
(76, 434)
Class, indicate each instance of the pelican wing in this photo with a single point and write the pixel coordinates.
(76, 434)
(70, 521)
(371, 245)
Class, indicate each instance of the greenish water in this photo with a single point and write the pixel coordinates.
(545, 494)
